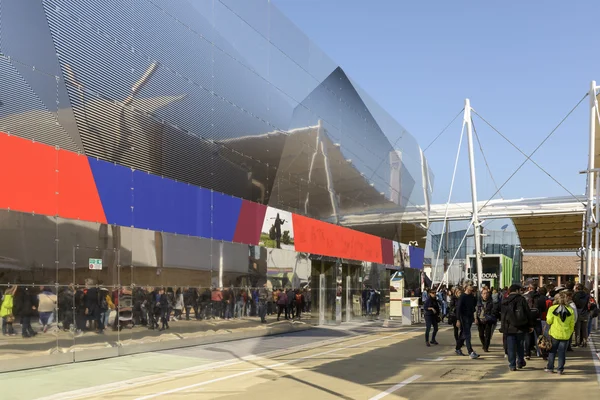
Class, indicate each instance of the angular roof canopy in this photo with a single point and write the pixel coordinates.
(543, 224)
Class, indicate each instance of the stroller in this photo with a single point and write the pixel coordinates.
(124, 315)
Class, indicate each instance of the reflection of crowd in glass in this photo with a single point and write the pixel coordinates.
(89, 308)
(371, 301)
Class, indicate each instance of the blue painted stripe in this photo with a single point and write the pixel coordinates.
(114, 183)
(225, 213)
(146, 201)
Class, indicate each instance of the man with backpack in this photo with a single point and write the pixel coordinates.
(582, 302)
(537, 305)
(516, 322)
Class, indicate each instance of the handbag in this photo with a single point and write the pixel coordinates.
(10, 318)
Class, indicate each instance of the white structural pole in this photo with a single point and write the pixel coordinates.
(596, 240)
(591, 181)
(595, 118)
(476, 225)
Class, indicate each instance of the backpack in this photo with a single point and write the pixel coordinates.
(103, 303)
(299, 299)
(517, 315)
(532, 303)
(593, 308)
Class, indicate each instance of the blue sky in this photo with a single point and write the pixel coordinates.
(524, 65)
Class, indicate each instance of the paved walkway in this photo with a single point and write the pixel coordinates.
(352, 362)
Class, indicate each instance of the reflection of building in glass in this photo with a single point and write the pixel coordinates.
(166, 161)
(502, 242)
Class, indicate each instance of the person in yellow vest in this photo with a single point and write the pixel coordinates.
(6, 311)
(561, 319)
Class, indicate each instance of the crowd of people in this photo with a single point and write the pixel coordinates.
(90, 307)
(547, 322)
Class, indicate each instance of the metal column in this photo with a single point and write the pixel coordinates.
(590, 180)
(596, 240)
(476, 225)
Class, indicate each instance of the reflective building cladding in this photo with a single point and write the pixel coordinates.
(205, 151)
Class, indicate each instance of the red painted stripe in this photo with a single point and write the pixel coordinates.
(387, 251)
(249, 223)
(28, 177)
(313, 236)
(78, 196)
(40, 179)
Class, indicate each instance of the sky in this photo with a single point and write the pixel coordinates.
(524, 66)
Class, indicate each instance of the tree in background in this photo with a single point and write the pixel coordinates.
(285, 238)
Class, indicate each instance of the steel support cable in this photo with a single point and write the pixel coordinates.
(487, 165)
(534, 151)
(462, 132)
(444, 130)
(529, 158)
(445, 277)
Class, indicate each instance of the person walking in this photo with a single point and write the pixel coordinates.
(264, 297)
(452, 320)
(431, 308)
(465, 317)
(537, 306)
(516, 322)
(486, 318)
(582, 302)
(561, 320)
(282, 303)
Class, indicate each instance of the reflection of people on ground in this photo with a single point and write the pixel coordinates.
(216, 298)
(46, 308)
(291, 309)
(300, 303)
(206, 309)
(91, 302)
(282, 303)
(178, 304)
(307, 299)
(164, 309)
(264, 298)
(26, 307)
(190, 300)
(6, 311)
(278, 223)
(365, 301)
(107, 306)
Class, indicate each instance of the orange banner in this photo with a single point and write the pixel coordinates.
(313, 236)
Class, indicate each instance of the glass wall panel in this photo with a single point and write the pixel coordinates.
(147, 268)
(127, 308)
(287, 37)
(27, 280)
(89, 277)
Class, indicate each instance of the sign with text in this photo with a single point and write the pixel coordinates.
(95, 263)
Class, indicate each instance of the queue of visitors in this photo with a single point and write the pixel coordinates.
(89, 308)
(546, 322)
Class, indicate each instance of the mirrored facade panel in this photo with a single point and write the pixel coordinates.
(28, 249)
(176, 167)
(28, 44)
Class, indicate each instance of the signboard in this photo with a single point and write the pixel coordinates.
(485, 275)
(95, 263)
